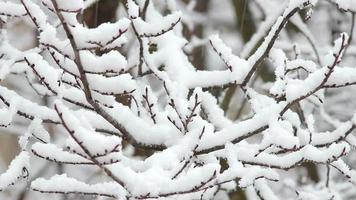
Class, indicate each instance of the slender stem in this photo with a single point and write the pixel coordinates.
(327, 175)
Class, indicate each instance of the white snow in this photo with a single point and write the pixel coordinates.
(174, 108)
(19, 168)
(64, 184)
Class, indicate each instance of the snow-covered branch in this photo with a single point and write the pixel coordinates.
(123, 106)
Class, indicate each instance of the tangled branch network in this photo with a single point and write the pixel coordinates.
(94, 106)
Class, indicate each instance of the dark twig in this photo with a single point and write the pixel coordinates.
(149, 106)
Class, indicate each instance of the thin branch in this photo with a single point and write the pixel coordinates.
(87, 152)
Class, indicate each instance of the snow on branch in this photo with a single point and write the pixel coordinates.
(64, 6)
(346, 5)
(94, 39)
(18, 170)
(230, 60)
(123, 110)
(152, 29)
(12, 9)
(52, 153)
(27, 108)
(66, 185)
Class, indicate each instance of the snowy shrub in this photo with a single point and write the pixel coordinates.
(124, 114)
